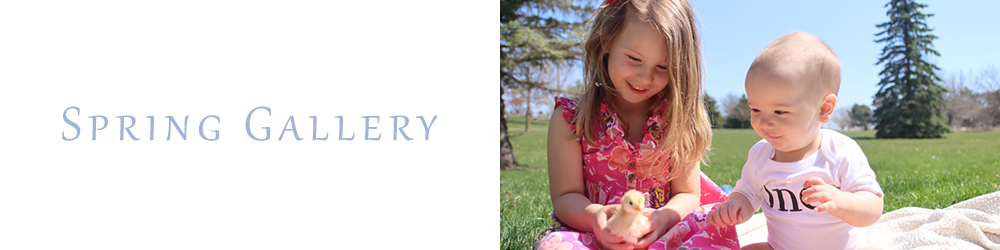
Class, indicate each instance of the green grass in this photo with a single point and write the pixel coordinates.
(728, 154)
(933, 173)
(529, 147)
(928, 173)
(525, 208)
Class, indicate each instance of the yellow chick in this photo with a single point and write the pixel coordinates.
(629, 222)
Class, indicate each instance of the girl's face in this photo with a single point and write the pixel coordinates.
(637, 62)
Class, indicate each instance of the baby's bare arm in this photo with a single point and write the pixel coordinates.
(860, 209)
(735, 210)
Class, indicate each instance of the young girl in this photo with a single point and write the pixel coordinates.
(640, 124)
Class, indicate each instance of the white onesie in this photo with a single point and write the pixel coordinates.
(777, 186)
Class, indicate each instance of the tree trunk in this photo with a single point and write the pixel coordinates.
(506, 149)
(527, 113)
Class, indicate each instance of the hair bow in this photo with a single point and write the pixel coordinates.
(611, 2)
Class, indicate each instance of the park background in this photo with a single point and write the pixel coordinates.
(929, 173)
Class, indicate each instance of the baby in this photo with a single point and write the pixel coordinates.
(815, 185)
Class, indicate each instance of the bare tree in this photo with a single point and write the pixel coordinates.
(962, 105)
(557, 77)
(842, 118)
(989, 83)
(553, 79)
(737, 111)
(989, 78)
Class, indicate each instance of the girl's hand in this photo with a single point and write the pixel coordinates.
(831, 199)
(659, 221)
(601, 232)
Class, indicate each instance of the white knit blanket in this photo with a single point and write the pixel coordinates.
(970, 224)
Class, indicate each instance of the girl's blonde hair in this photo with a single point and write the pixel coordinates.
(686, 131)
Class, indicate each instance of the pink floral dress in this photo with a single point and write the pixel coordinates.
(610, 170)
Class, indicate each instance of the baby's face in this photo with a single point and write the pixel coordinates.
(785, 112)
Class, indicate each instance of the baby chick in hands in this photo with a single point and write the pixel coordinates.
(629, 222)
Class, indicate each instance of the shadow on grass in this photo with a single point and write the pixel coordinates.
(875, 138)
(526, 167)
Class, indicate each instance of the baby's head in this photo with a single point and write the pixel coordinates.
(792, 90)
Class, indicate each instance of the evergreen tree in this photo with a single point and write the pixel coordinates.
(714, 116)
(909, 101)
(533, 33)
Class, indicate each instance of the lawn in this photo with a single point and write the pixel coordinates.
(929, 173)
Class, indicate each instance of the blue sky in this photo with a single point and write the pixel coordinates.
(733, 32)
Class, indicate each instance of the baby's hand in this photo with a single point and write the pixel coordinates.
(726, 214)
(829, 197)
